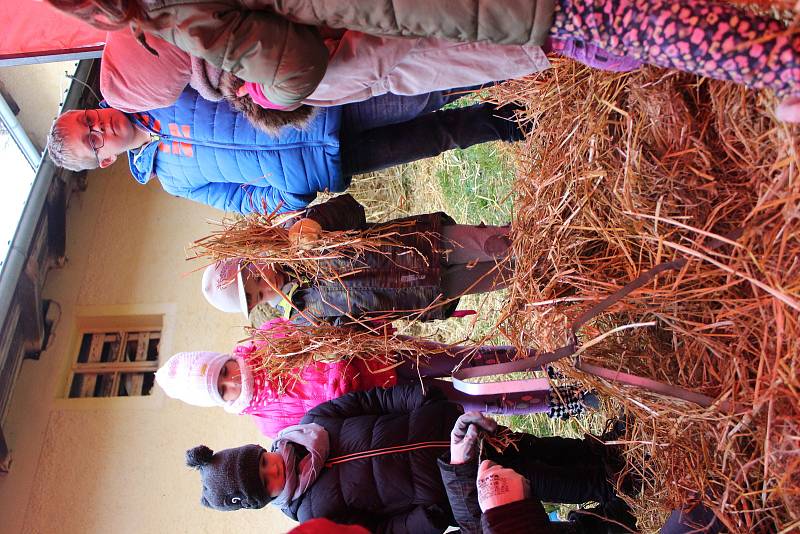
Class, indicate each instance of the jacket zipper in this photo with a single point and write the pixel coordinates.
(217, 144)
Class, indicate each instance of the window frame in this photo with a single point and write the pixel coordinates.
(118, 367)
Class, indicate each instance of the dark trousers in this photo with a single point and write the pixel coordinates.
(699, 519)
(561, 470)
(390, 130)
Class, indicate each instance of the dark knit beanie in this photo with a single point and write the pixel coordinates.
(230, 477)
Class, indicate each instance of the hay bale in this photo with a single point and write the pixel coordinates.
(621, 173)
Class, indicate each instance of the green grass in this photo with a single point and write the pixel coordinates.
(477, 183)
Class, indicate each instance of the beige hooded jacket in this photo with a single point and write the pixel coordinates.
(278, 44)
(360, 67)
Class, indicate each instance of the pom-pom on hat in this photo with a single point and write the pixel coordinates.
(192, 377)
(223, 287)
(230, 477)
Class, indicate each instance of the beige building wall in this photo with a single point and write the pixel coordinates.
(38, 90)
(116, 464)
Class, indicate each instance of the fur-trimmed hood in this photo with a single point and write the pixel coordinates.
(267, 120)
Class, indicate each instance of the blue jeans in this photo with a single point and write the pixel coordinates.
(389, 130)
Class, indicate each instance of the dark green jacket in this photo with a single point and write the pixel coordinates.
(278, 44)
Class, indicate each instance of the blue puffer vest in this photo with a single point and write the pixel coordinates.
(209, 153)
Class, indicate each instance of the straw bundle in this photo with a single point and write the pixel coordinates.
(264, 240)
(285, 349)
(499, 440)
(622, 173)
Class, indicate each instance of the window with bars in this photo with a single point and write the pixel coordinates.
(115, 363)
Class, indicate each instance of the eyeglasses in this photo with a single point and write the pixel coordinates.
(96, 138)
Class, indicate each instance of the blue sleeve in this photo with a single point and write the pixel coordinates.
(245, 199)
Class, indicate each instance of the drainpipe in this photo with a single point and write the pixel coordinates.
(19, 134)
(14, 265)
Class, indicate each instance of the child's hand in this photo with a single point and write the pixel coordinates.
(498, 485)
(464, 437)
(304, 232)
(242, 91)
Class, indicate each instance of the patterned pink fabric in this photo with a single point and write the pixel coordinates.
(715, 39)
(318, 383)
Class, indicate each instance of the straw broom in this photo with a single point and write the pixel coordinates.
(263, 240)
(283, 350)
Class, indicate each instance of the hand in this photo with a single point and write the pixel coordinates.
(464, 437)
(242, 91)
(498, 485)
(304, 232)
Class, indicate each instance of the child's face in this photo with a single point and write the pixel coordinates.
(272, 471)
(258, 290)
(229, 381)
(112, 133)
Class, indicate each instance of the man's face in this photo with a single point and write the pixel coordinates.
(108, 130)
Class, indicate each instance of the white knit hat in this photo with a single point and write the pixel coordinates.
(223, 287)
(192, 378)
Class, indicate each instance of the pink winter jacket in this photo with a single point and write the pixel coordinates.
(360, 66)
(272, 412)
(132, 79)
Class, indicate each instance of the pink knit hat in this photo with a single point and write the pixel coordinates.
(223, 287)
(192, 378)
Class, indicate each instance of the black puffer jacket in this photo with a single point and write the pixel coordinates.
(388, 480)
